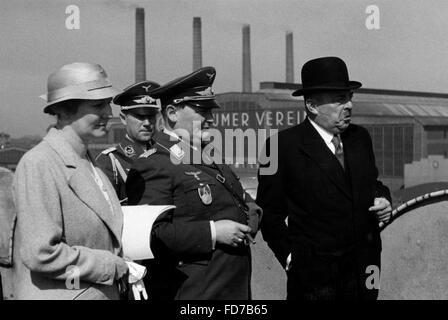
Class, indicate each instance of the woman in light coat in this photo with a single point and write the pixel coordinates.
(67, 241)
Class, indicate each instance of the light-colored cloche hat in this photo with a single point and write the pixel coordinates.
(79, 80)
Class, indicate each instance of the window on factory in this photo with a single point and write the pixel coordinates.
(437, 149)
(393, 148)
(436, 133)
(388, 153)
(437, 140)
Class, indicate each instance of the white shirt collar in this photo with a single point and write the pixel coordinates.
(327, 136)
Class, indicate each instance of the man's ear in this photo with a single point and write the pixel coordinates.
(311, 106)
(171, 113)
(123, 118)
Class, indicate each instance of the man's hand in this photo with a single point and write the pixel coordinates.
(231, 233)
(382, 209)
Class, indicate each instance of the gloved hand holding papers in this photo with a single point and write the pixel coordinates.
(137, 225)
(135, 279)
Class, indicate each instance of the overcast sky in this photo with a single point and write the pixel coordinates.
(408, 52)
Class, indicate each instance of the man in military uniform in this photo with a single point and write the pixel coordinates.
(201, 248)
(138, 114)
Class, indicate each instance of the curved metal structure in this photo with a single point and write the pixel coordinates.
(414, 203)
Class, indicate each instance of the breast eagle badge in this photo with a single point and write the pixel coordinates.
(195, 174)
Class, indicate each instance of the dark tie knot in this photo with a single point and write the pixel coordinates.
(339, 153)
(336, 141)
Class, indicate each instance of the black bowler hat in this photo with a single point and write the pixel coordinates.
(193, 89)
(139, 98)
(327, 73)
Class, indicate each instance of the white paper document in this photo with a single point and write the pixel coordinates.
(137, 225)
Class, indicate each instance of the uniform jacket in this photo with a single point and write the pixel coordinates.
(326, 207)
(185, 265)
(64, 220)
(126, 151)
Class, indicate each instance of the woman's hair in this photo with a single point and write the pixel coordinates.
(64, 110)
(67, 107)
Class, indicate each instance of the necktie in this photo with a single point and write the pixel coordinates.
(339, 153)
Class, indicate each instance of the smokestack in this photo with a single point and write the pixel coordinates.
(197, 43)
(140, 57)
(289, 58)
(247, 76)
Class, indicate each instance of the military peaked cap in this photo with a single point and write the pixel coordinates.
(194, 89)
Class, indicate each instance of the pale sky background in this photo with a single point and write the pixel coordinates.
(408, 52)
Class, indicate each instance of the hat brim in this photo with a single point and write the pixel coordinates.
(352, 85)
(96, 94)
(206, 104)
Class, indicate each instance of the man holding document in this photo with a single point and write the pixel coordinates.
(201, 247)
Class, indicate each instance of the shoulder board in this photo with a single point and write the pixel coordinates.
(109, 150)
(147, 153)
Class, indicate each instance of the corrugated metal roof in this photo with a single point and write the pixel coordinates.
(403, 110)
(433, 121)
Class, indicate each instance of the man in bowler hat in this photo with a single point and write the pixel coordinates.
(201, 248)
(138, 113)
(326, 185)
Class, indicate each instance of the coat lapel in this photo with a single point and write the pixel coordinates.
(81, 181)
(313, 145)
(117, 225)
(83, 185)
(353, 158)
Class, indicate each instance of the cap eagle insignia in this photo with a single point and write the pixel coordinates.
(146, 87)
(145, 99)
(206, 92)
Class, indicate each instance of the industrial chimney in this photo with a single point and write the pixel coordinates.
(140, 57)
(197, 43)
(289, 58)
(247, 76)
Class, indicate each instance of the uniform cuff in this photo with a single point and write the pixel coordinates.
(288, 263)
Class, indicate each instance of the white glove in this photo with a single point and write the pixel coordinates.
(135, 279)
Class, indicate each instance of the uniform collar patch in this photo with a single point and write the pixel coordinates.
(129, 151)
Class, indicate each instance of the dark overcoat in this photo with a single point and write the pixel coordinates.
(326, 207)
